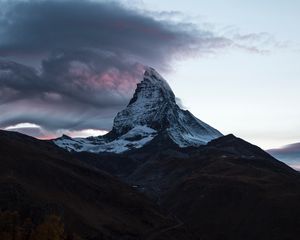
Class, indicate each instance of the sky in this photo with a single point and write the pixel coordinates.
(69, 66)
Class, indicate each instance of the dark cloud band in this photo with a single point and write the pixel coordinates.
(92, 54)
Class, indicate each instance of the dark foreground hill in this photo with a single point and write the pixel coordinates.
(38, 179)
(227, 189)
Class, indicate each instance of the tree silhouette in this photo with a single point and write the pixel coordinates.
(52, 228)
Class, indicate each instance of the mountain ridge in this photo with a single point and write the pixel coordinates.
(198, 183)
(226, 189)
(38, 178)
(151, 111)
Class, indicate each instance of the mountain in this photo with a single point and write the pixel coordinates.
(160, 173)
(218, 187)
(152, 112)
(289, 154)
(226, 189)
(38, 178)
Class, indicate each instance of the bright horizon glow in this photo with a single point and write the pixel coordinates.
(42, 134)
(22, 125)
(85, 133)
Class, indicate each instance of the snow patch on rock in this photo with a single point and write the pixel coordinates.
(152, 111)
(135, 138)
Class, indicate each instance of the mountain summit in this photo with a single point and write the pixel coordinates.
(151, 112)
(151, 104)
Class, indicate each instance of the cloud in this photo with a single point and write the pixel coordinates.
(90, 56)
(287, 149)
(38, 132)
(290, 154)
(37, 27)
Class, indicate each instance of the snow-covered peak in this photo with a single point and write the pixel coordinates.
(152, 97)
(137, 137)
(153, 105)
(155, 78)
(153, 87)
(151, 111)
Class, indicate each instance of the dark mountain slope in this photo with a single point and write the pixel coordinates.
(38, 178)
(220, 187)
(227, 189)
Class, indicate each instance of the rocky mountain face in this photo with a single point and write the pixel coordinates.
(38, 179)
(226, 189)
(151, 112)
